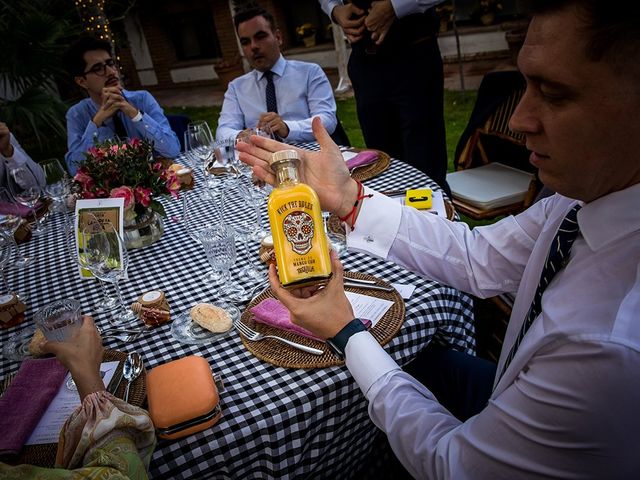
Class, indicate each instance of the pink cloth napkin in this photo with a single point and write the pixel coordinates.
(271, 312)
(365, 157)
(14, 209)
(26, 399)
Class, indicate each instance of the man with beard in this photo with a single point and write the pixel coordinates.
(110, 110)
(281, 95)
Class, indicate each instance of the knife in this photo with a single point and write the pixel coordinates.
(365, 286)
(114, 389)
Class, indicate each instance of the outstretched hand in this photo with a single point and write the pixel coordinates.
(322, 311)
(324, 171)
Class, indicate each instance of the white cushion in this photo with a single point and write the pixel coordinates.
(490, 186)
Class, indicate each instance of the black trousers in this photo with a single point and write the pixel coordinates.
(399, 99)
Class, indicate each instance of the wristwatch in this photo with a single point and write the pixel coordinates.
(338, 344)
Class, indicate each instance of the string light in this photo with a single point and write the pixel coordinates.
(93, 18)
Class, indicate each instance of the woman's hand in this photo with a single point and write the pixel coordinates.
(324, 171)
(322, 311)
(82, 355)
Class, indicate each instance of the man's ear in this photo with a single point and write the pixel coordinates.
(81, 81)
(278, 35)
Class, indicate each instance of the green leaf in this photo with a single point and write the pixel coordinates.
(157, 207)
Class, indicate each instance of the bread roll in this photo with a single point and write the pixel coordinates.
(212, 318)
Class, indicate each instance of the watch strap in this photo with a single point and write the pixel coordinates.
(338, 343)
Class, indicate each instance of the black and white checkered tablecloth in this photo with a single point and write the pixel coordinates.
(277, 422)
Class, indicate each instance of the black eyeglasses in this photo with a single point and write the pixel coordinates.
(100, 69)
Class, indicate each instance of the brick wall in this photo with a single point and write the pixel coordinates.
(154, 19)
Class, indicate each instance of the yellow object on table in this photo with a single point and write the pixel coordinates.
(419, 198)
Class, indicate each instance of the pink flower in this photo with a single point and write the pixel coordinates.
(101, 193)
(135, 142)
(88, 195)
(83, 179)
(143, 196)
(156, 167)
(173, 184)
(126, 193)
(113, 148)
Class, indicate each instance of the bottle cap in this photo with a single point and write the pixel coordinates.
(267, 242)
(283, 155)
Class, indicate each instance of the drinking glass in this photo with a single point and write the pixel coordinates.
(58, 182)
(337, 241)
(200, 146)
(104, 254)
(25, 189)
(7, 251)
(58, 320)
(245, 136)
(220, 247)
(197, 218)
(9, 222)
(225, 153)
(255, 194)
(242, 219)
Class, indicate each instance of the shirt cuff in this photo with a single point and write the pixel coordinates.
(367, 361)
(376, 226)
(138, 117)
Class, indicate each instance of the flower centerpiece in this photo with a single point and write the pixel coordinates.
(307, 33)
(118, 169)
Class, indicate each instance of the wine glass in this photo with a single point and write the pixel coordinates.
(242, 220)
(103, 253)
(225, 152)
(9, 222)
(337, 241)
(26, 190)
(200, 146)
(108, 301)
(197, 219)
(58, 182)
(220, 248)
(255, 194)
(245, 137)
(7, 251)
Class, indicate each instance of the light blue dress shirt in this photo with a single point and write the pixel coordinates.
(402, 8)
(82, 132)
(302, 92)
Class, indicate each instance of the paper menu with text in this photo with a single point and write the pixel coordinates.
(106, 211)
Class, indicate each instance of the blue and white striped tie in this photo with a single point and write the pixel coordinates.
(557, 258)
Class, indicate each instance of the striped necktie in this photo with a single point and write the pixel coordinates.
(557, 259)
(272, 104)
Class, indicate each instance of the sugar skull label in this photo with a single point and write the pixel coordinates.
(298, 228)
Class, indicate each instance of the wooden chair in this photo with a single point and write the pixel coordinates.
(493, 191)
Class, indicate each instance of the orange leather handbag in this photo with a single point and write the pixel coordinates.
(183, 398)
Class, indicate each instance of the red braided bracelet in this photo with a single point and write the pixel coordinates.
(352, 214)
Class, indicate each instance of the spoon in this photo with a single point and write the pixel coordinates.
(131, 369)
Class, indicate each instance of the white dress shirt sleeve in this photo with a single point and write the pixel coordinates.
(484, 261)
(21, 158)
(541, 426)
(328, 5)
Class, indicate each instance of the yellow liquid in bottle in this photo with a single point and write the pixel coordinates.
(299, 241)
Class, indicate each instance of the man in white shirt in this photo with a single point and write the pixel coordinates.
(299, 90)
(565, 396)
(13, 156)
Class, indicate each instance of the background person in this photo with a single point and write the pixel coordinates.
(110, 110)
(12, 156)
(299, 90)
(564, 396)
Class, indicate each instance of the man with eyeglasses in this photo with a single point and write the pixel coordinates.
(110, 110)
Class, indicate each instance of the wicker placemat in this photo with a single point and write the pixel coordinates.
(45, 455)
(282, 355)
(366, 172)
(335, 225)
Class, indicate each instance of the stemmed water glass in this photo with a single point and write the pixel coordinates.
(196, 223)
(225, 153)
(9, 222)
(26, 190)
(220, 248)
(7, 251)
(200, 146)
(104, 254)
(243, 222)
(58, 181)
(255, 194)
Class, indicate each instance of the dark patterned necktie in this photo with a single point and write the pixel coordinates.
(272, 105)
(557, 259)
(120, 129)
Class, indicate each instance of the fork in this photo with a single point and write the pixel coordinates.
(254, 336)
(126, 337)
